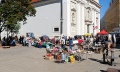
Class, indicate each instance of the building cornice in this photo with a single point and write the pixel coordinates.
(95, 3)
(80, 1)
(93, 8)
(88, 22)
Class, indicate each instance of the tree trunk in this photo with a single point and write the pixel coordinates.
(0, 40)
(0, 37)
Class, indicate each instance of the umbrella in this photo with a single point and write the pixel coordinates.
(98, 33)
(87, 34)
(103, 32)
(44, 38)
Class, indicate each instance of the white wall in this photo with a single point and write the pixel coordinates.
(65, 18)
(47, 17)
(68, 17)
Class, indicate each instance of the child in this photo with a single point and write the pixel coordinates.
(63, 56)
(59, 57)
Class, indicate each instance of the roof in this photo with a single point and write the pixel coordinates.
(34, 1)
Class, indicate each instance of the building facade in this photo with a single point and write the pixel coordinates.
(102, 23)
(78, 18)
(112, 17)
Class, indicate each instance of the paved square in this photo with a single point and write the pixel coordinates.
(30, 59)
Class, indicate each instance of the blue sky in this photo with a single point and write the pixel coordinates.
(105, 6)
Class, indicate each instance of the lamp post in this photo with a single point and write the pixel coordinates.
(0, 25)
(93, 29)
(61, 17)
(119, 28)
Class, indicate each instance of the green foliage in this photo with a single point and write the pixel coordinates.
(12, 12)
(14, 28)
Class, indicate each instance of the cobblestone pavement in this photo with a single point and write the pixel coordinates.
(30, 59)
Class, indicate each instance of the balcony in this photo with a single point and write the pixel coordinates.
(88, 22)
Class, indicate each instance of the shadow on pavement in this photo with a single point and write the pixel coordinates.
(93, 59)
(100, 61)
(103, 71)
(111, 70)
(57, 62)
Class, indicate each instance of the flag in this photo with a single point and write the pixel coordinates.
(95, 27)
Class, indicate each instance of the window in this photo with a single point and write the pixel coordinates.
(73, 17)
(56, 29)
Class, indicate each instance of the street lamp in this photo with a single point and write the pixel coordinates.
(93, 29)
(119, 28)
(61, 17)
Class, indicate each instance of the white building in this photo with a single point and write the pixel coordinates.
(79, 17)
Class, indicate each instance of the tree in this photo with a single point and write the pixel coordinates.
(13, 29)
(12, 12)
